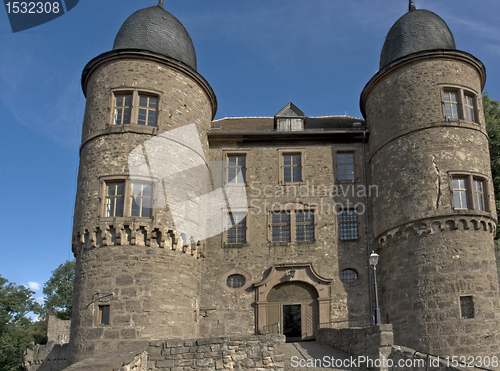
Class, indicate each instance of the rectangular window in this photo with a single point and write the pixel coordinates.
(123, 109)
(115, 197)
(142, 197)
(237, 233)
(292, 167)
(469, 107)
(304, 225)
(148, 107)
(469, 192)
(280, 223)
(478, 191)
(137, 108)
(236, 168)
(467, 306)
(459, 193)
(345, 166)
(124, 197)
(451, 104)
(104, 311)
(348, 225)
(460, 104)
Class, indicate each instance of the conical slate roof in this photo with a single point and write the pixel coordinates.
(156, 30)
(416, 31)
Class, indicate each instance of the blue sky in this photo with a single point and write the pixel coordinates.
(257, 55)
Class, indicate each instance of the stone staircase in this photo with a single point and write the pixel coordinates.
(311, 355)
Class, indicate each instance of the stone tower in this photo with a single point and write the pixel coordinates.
(136, 278)
(429, 158)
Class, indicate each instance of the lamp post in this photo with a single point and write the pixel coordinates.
(373, 259)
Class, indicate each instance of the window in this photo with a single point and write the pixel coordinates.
(237, 233)
(293, 223)
(469, 192)
(115, 197)
(467, 306)
(138, 108)
(304, 225)
(148, 107)
(451, 104)
(469, 107)
(127, 198)
(236, 168)
(345, 166)
(292, 168)
(236, 281)
(348, 276)
(478, 191)
(459, 193)
(460, 104)
(104, 311)
(281, 226)
(141, 199)
(348, 223)
(123, 109)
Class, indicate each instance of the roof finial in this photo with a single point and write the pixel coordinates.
(160, 4)
(412, 6)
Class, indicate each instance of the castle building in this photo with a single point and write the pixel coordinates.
(186, 227)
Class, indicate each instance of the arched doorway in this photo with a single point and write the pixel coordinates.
(294, 305)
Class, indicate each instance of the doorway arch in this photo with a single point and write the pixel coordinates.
(294, 306)
(290, 292)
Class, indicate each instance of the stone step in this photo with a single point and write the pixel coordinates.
(311, 355)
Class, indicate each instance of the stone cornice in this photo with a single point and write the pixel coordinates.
(132, 234)
(436, 225)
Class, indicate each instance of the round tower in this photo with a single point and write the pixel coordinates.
(136, 277)
(429, 158)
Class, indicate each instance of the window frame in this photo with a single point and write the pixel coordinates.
(99, 313)
(336, 152)
(291, 151)
(128, 196)
(225, 237)
(226, 155)
(470, 193)
(339, 223)
(470, 312)
(292, 209)
(461, 103)
(134, 109)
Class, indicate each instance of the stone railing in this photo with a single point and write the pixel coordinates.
(373, 342)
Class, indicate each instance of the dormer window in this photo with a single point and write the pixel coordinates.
(289, 118)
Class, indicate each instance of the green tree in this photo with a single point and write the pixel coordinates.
(492, 116)
(17, 330)
(58, 291)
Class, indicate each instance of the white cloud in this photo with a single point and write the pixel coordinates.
(34, 286)
(40, 300)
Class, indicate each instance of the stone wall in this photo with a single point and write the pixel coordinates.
(53, 355)
(233, 310)
(242, 352)
(406, 359)
(432, 253)
(372, 342)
